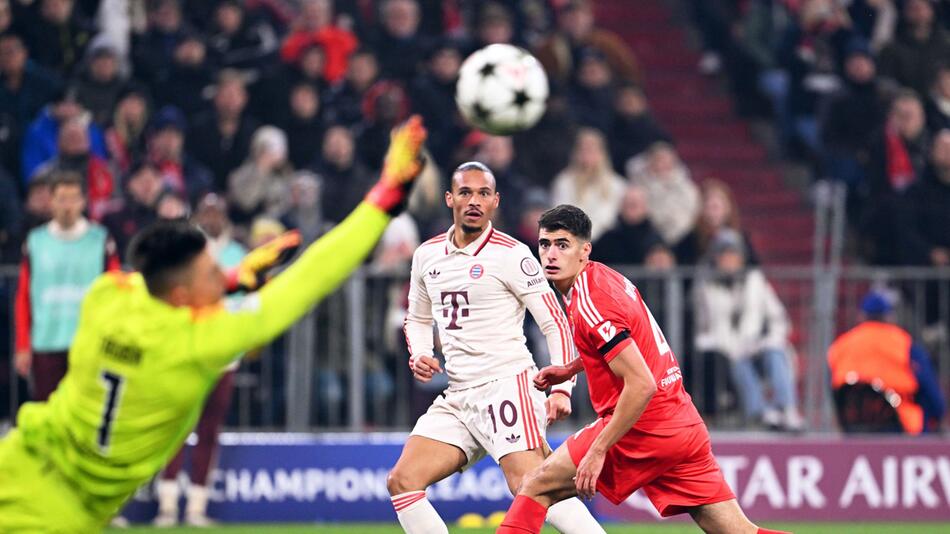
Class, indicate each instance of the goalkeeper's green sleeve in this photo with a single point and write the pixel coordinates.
(255, 319)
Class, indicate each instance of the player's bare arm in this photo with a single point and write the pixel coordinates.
(639, 387)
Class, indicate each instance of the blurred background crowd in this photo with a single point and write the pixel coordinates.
(255, 116)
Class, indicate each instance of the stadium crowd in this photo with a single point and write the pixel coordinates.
(282, 109)
(860, 90)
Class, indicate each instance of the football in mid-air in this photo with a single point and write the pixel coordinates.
(502, 89)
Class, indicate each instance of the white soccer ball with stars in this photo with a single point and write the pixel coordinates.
(502, 89)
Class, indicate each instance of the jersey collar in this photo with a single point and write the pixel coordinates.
(474, 247)
(75, 232)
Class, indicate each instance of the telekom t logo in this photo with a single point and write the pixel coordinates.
(457, 307)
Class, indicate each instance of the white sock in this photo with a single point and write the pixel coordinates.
(168, 494)
(572, 517)
(416, 514)
(197, 501)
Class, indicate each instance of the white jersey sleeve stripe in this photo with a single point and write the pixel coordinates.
(561, 321)
(582, 302)
(590, 302)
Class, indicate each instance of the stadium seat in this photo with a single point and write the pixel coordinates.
(864, 408)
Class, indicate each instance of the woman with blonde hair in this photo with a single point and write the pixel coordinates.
(671, 193)
(590, 183)
(719, 210)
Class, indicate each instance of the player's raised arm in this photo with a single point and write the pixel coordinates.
(322, 267)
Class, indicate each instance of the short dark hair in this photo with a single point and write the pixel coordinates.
(60, 178)
(163, 250)
(566, 217)
(473, 166)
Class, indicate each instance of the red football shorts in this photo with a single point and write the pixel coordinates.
(675, 467)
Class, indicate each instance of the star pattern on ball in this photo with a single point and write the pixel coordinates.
(521, 98)
(488, 69)
(481, 113)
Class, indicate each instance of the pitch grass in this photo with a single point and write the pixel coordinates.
(680, 528)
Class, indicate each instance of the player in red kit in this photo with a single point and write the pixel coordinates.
(648, 434)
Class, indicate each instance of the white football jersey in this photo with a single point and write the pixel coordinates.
(477, 297)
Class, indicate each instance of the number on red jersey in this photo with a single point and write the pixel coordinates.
(661, 344)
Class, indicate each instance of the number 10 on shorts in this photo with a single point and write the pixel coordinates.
(506, 412)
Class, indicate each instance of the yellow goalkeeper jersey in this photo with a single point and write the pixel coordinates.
(139, 369)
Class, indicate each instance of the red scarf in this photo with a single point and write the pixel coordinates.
(900, 171)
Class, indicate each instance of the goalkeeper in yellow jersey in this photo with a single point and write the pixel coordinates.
(149, 347)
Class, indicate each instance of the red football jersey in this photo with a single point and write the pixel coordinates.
(608, 314)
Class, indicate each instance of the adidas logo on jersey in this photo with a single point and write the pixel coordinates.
(512, 438)
(434, 274)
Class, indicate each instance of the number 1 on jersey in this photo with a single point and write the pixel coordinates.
(113, 383)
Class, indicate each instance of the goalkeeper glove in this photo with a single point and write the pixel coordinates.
(403, 163)
(252, 272)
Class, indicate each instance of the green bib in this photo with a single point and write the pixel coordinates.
(60, 273)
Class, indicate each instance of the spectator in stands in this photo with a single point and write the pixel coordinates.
(811, 50)
(850, 117)
(74, 155)
(633, 128)
(188, 78)
(920, 46)
(36, 208)
(262, 184)
(576, 31)
(42, 136)
(740, 317)
(11, 217)
(938, 103)
(6, 16)
(433, 96)
(303, 211)
(671, 194)
(536, 202)
(632, 236)
(172, 206)
(240, 43)
(220, 138)
(719, 210)
(897, 160)
(385, 105)
(875, 21)
(591, 90)
(136, 209)
(495, 25)
(153, 50)
(315, 27)
(99, 85)
(305, 126)
(125, 136)
(271, 94)
(498, 153)
(343, 179)
(60, 260)
(211, 217)
(165, 151)
(58, 36)
(877, 351)
(926, 239)
(345, 104)
(25, 86)
(590, 183)
(398, 43)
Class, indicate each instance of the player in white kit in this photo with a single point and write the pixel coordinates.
(474, 283)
